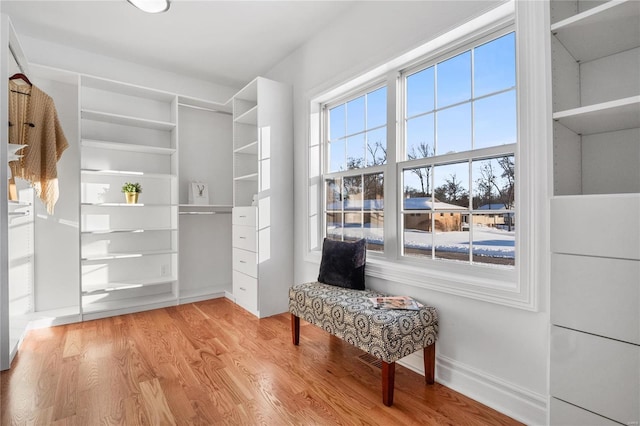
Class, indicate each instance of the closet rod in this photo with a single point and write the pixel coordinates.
(217, 111)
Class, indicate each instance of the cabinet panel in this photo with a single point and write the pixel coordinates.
(579, 225)
(597, 374)
(246, 262)
(244, 237)
(245, 291)
(596, 295)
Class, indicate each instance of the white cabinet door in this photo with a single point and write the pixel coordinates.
(598, 374)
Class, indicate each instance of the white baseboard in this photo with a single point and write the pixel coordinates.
(512, 400)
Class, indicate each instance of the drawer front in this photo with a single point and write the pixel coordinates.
(244, 216)
(563, 414)
(245, 291)
(597, 295)
(579, 225)
(598, 374)
(244, 237)
(246, 262)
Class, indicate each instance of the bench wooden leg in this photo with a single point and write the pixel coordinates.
(295, 329)
(430, 363)
(388, 378)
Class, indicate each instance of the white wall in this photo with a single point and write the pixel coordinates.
(55, 55)
(495, 354)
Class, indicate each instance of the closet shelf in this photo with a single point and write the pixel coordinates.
(126, 120)
(129, 205)
(126, 173)
(140, 303)
(126, 255)
(604, 117)
(249, 177)
(248, 149)
(110, 286)
(249, 117)
(120, 146)
(601, 31)
(125, 230)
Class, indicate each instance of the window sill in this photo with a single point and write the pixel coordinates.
(484, 283)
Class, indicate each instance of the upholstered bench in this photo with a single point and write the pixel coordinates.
(386, 334)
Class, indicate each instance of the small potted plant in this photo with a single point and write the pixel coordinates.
(131, 191)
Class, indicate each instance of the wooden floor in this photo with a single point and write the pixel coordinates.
(213, 363)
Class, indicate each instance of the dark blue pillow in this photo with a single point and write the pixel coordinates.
(343, 263)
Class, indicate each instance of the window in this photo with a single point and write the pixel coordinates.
(460, 129)
(356, 152)
(459, 202)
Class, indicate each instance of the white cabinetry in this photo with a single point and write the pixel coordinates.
(263, 197)
(595, 213)
(205, 134)
(129, 257)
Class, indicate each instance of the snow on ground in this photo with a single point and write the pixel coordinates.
(487, 241)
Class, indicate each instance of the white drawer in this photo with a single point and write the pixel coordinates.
(244, 237)
(597, 295)
(598, 374)
(244, 216)
(596, 225)
(245, 261)
(245, 291)
(563, 414)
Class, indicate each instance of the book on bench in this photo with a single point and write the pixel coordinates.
(395, 302)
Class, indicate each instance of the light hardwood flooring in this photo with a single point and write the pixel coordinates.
(212, 363)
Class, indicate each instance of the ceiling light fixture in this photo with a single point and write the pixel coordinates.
(151, 6)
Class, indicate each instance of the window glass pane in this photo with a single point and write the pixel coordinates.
(373, 191)
(454, 129)
(334, 226)
(495, 121)
(352, 226)
(377, 108)
(494, 183)
(417, 234)
(336, 156)
(377, 147)
(353, 193)
(355, 115)
(373, 230)
(336, 122)
(355, 152)
(493, 242)
(454, 80)
(420, 137)
(420, 92)
(333, 194)
(495, 65)
(450, 241)
(417, 188)
(451, 186)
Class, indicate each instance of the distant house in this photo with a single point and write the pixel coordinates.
(448, 217)
(500, 219)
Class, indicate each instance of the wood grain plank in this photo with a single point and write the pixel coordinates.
(155, 403)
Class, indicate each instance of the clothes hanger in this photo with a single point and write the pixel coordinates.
(22, 77)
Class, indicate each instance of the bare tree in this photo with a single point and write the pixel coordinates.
(423, 150)
(452, 191)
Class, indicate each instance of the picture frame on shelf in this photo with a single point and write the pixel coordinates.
(198, 193)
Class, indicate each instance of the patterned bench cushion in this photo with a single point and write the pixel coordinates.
(349, 314)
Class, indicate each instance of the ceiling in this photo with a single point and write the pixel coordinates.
(226, 42)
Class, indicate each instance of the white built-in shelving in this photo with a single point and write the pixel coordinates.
(262, 187)
(129, 253)
(595, 213)
(205, 131)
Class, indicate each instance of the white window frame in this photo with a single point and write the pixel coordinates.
(516, 287)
